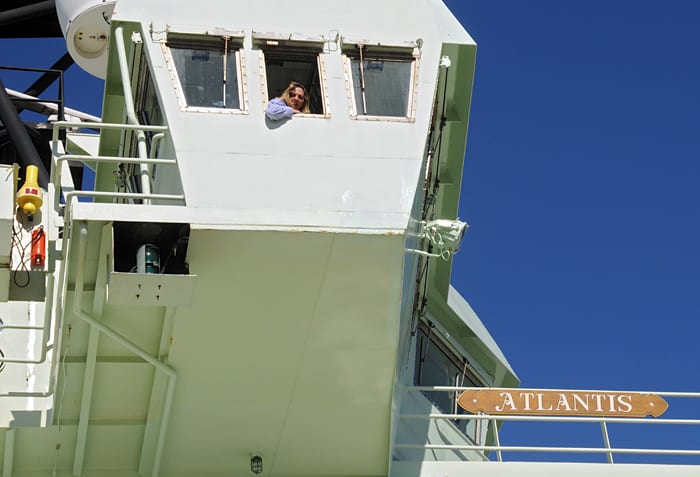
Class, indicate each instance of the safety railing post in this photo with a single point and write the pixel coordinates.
(496, 439)
(606, 440)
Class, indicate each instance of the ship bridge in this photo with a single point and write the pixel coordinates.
(227, 294)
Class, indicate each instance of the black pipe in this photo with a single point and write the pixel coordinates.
(27, 12)
(27, 154)
(3, 136)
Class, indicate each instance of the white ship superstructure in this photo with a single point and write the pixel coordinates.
(237, 295)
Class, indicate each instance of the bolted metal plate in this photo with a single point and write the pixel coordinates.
(150, 289)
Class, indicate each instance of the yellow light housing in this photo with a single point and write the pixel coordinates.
(30, 196)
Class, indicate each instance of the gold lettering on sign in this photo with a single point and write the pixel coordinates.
(562, 403)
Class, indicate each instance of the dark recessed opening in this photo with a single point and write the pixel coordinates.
(170, 240)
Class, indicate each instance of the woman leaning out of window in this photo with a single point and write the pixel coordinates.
(294, 99)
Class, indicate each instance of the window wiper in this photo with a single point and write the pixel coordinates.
(362, 81)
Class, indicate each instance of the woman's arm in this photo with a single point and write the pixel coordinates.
(277, 109)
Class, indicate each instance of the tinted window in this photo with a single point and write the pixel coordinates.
(436, 366)
(208, 74)
(381, 80)
(386, 86)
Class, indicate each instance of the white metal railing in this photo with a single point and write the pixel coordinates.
(607, 449)
(59, 158)
(145, 158)
(49, 331)
(144, 170)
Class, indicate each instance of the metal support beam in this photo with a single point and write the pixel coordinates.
(128, 344)
(47, 79)
(27, 12)
(86, 402)
(155, 407)
(91, 358)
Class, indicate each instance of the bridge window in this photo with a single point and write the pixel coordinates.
(437, 364)
(381, 81)
(209, 71)
(283, 60)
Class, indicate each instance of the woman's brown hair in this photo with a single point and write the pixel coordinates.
(292, 86)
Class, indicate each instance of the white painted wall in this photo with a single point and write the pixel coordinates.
(332, 172)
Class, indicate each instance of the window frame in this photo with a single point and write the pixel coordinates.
(435, 337)
(390, 52)
(427, 337)
(207, 40)
(295, 44)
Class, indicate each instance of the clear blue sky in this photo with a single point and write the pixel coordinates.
(581, 187)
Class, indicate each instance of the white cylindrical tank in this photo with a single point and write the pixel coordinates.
(85, 25)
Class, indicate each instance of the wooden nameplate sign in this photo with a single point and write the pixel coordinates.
(543, 402)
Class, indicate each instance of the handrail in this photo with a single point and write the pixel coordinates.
(509, 417)
(57, 73)
(59, 158)
(46, 346)
(117, 159)
(45, 328)
(129, 108)
(48, 105)
(90, 125)
(543, 449)
(118, 195)
(467, 388)
(606, 449)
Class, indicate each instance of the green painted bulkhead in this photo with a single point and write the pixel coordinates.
(287, 350)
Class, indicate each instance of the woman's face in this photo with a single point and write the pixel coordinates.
(296, 98)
